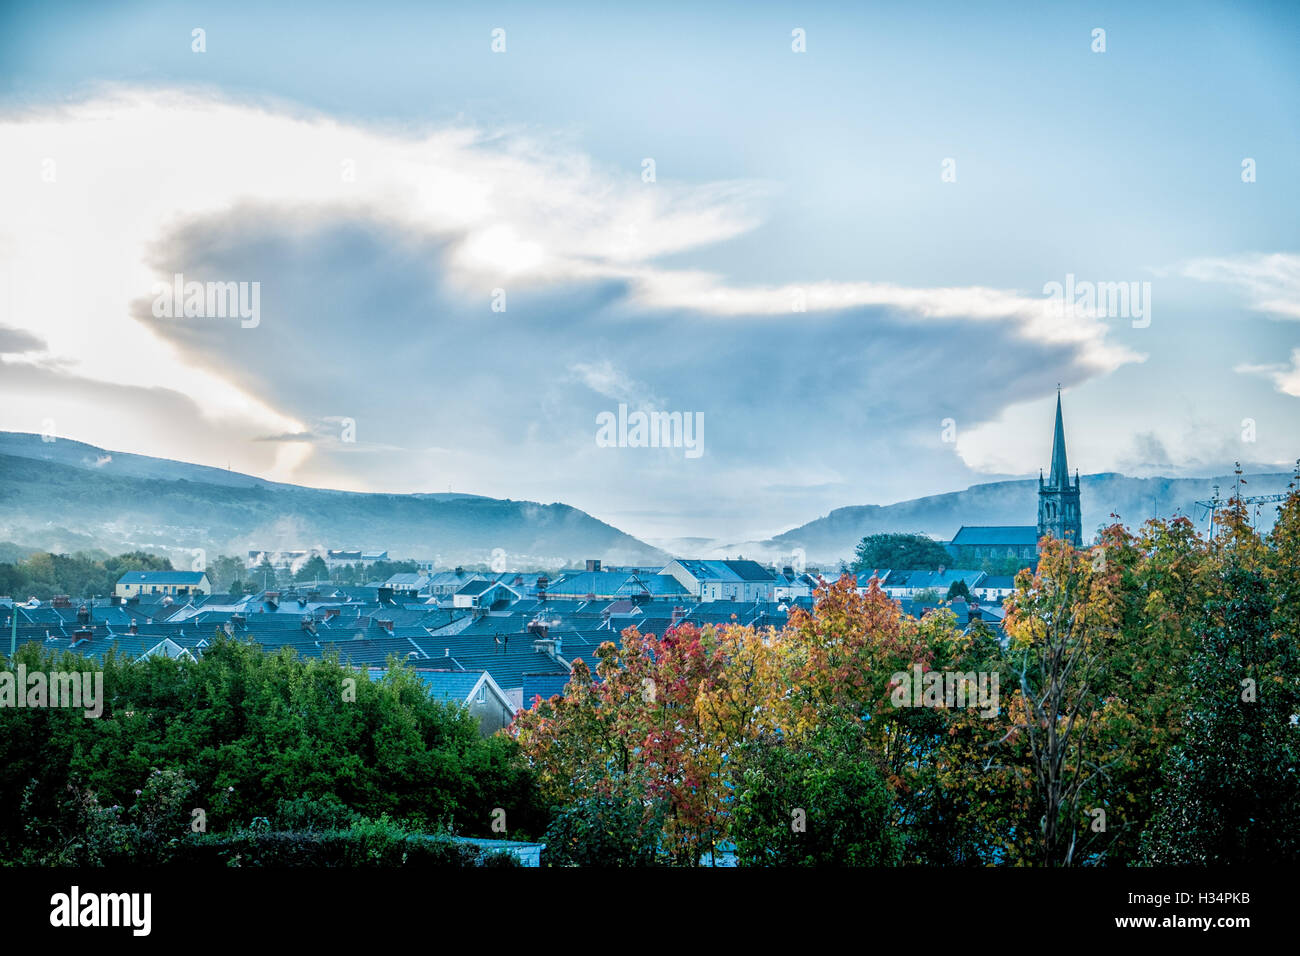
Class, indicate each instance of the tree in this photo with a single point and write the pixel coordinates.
(619, 827)
(313, 569)
(1060, 625)
(223, 572)
(1232, 784)
(252, 730)
(914, 552)
(816, 804)
(956, 590)
(264, 575)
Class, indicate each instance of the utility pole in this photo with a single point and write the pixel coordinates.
(13, 632)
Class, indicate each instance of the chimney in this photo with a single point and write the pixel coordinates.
(386, 625)
(678, 614)
(542, 584)
(133, 627)
(83, 615)
(81, 635)
(593, 564)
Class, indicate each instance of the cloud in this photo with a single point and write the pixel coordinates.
(1031, 319)
(1284, 376)
(1270, 280)
(378, 255)
(604, 378)
(19, 342)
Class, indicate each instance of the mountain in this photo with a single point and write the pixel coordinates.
(66, 496)
(1134, 500)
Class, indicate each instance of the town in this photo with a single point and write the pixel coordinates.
(496, 641)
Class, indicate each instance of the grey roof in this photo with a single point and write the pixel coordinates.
(1007, 535)
(750, 571)
(998, 581)
(448, 685)
(161, 577)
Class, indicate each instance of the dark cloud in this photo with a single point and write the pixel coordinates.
(802, 413)
(18, 341)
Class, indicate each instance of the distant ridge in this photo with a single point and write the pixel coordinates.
(1134, 500)
(67, 495)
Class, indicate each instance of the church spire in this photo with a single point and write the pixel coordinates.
(1059, 477)
(1059, 515)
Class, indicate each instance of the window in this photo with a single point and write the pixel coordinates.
(482, 693)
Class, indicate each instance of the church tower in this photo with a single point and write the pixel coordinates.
(1058, 500)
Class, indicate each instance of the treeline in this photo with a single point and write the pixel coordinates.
(81, 575)
(1142, 711)
(88, 574)
(258, 743)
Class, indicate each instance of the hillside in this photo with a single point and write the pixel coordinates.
(67, 495)
(832, 537)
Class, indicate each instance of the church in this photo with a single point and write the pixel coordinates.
(1059, 515)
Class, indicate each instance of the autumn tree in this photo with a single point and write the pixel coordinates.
(1232, 785)
(1062, 625)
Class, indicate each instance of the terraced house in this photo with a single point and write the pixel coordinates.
(173, 583)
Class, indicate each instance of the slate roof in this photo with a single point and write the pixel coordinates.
(750, 571)
(1004, 581)
(544, 686)
(445, 685)
(1007, 535)
(161, 577)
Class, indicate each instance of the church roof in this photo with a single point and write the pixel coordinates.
(1009, 535)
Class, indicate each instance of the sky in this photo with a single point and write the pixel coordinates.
(837, 237)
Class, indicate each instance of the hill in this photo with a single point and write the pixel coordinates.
(67, 496)
(1134, 500)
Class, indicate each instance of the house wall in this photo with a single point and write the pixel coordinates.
(492, 713)
(134, 590)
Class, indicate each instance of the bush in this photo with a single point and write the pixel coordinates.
(368, 844)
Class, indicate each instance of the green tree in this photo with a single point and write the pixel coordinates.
(956, 590)
(821, 803)
(313, 569)
(913, 552)
(1232, 785)
(223, 572)
(251, 730)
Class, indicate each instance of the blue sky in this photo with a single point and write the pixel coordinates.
(775, 171)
